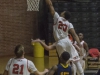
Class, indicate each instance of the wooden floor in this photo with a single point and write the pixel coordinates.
(40, 63)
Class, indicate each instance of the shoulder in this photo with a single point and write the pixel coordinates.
(56, 15)
(70, 25)
(30, 64)
(29, 61)
(69, 66)
(85, 43)
(11, 59)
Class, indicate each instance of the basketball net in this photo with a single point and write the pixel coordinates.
(33, 5)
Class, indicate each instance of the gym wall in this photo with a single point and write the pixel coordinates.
(17, 26)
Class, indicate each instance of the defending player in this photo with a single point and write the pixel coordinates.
(62, 68)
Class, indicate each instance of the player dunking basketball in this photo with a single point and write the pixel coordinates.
(60, 30)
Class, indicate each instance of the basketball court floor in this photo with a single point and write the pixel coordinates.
(41, 63)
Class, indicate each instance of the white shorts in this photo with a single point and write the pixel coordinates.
(66, 45)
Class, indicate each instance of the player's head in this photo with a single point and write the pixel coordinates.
(80, 35)
(64, 57)
(19, 51)
(66, 15)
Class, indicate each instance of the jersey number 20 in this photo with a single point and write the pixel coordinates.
(62, 26)
(16, 69)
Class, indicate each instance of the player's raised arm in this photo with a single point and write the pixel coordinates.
(51, 8)
(75, 36)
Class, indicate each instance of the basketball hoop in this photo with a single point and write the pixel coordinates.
(33, 5)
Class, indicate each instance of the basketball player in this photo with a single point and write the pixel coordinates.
(62, 68)
(84, 44)
(60, 31)
(20, 65)
(52, 47)
(84, 50)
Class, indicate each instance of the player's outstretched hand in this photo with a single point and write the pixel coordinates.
(33, 41)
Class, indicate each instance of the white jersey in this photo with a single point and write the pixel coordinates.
(83, 50)
(82, 43)
(60, 32)
(60, 27)
(20, 67)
